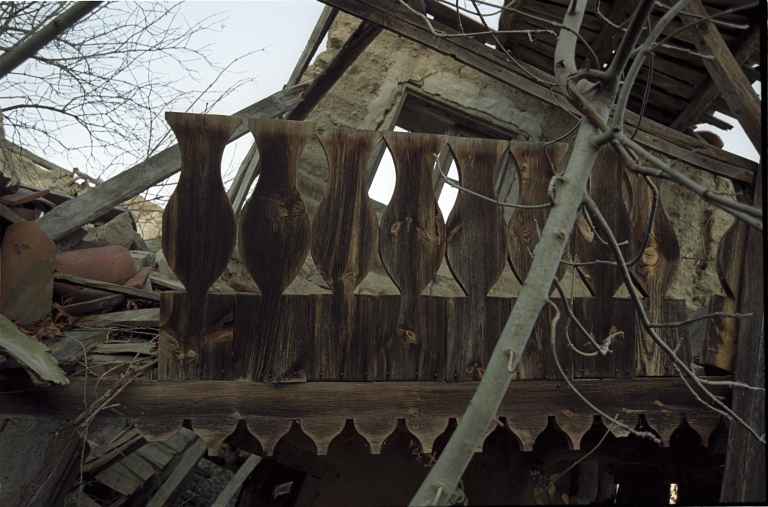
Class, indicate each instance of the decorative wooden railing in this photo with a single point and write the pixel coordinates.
(311, 359)
(345, 336)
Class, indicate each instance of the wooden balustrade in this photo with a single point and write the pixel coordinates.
(274, 337)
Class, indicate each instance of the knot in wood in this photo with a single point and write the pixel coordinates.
(658, 403)
(560, 235)
(413, 412)
(395, 228)
(650, 256)
(567, 413)
(191, 354)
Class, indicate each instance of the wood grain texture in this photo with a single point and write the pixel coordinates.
(534, 172)
(375, 407)
(650, 359)
(412, 240)
(730, 255)
(467, 355)
(202, 352)
(605, 188)
(476, 244)
(537, 361)
(656, 270)
(198, 222)
(603, 317)
(404, 359)
(274, 234)
(720, 335)
(345, 241)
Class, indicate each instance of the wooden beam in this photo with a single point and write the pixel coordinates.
(342, 60)
(708, 92)
(727, 74)
(75, 213)
(652, 135)
(321, 28)
(109, 287)
(744, 473)
(323, 407)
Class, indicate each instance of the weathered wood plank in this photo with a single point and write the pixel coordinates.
(534, 172)
(375, 406)
(73, 214)
(412, 238)
(146, 317)
(476, 229)
(109, 287)
(651, 360)
(603, 317)
(345, 241)
(199, 225)
(743, 480)
(202, 351)
(718, 347)
(708, 92)
(274, 233)
(32, 355)
(537, 361)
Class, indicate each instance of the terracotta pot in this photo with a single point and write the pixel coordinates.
(111, 264)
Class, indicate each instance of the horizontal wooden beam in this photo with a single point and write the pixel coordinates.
(215, 407)
(539, 84)
(109, 287)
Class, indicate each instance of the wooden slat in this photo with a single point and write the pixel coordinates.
(605, 188)
(181, 474)
(200, 352)
(345, 241)
(146, 317)
(476, 229)
(534, 173)
(109, 287)
(608, 38)
(412, 239)
(198, 222)
(719, 343)
(492, 63)
(274, 233)
(745, 460)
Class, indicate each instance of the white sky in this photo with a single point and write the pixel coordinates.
(281, 29)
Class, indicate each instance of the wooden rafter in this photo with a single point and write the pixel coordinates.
(608, 37)
(709, 91)
(727, 74)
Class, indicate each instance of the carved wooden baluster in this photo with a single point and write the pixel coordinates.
(535, 172)
(654, 273)
(412, 243)
(605, 188)
(604, 316)
(198, 238)
(476, 252)
(274, 235)
(344, 246)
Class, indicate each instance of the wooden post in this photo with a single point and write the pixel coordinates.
(744, 477)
